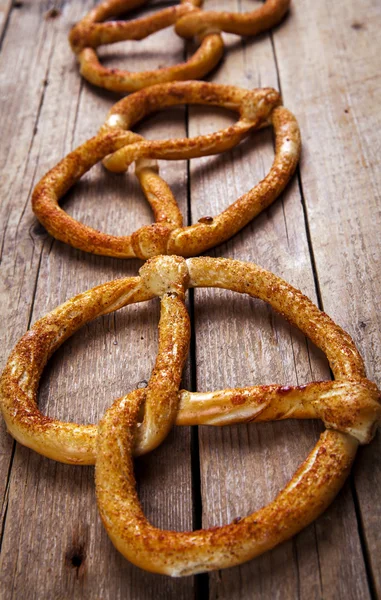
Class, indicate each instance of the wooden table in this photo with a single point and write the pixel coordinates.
(322, 235)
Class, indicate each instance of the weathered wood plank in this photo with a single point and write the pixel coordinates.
(54, 545)
(241, 342)
(335, 47)
(23, 79)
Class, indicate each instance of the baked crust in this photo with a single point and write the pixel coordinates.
(119, 147)
(190, 21)
(139, 422)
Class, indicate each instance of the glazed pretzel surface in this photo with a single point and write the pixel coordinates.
(189, 20)
(349, 407)
(119, 147)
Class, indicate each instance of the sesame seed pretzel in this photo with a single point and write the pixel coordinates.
(91, 32)
(119, 147)
(190, 21)
(349, 407)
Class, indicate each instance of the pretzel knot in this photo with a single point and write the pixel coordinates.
(349, 406)
(189, 20)
(119, 147)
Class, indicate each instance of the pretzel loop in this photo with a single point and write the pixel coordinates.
(90, 33)
(311, 490)
(254, 107)
(66, 173)
(201, 236)
(72, 443)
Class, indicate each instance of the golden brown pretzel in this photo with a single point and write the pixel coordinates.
(349, 407)
(189, 20)
(91, 32)
(256, 108)
(168, 277)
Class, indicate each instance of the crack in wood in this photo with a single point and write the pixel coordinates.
(363, 541)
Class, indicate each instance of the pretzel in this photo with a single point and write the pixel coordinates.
(189, 20)
(256, 109)
(349, 407)
(90, 33)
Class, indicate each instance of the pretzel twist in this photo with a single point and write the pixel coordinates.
(189, 21)
(349, 407)
(256, 109)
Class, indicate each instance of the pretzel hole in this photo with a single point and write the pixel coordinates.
(163, 124)
(136, 59)
(83, 378)
(237, 171)
(115, 204)
(242, 455)
(166, 123)
(161, 49)
(104, 360)
(161, 481)
(112, 204)
(268, 344)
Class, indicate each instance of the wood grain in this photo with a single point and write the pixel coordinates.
(241, 342)
(341, 185)
(23, 67)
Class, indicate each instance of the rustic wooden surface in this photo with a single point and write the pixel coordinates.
(322, 235)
